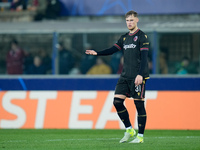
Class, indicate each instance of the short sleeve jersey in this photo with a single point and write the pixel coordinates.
(132, 46)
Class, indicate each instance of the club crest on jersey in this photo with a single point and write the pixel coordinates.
(135, 38)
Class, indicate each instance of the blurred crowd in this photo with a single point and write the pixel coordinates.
(44, 9)
(19, 61)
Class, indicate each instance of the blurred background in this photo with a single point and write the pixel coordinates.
(50, 36)
(43, 43)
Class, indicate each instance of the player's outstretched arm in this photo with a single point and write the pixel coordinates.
(105, 52)
(91, 52)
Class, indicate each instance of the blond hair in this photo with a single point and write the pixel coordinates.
(130, 13)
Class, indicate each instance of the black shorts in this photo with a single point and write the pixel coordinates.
(127, 87)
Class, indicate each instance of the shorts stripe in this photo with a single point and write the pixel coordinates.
(142, 91)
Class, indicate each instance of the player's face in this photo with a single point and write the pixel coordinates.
(131, 22)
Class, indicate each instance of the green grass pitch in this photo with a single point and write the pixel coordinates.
(60, 139)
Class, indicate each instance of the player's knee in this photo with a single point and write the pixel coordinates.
(140, 107)
(139, 103)
(118, 103)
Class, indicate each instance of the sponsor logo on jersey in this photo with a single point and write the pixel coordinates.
(135, 38)
(129, 46)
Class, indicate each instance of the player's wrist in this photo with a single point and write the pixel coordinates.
(140, 74)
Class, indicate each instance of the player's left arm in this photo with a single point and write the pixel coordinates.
(144, 49)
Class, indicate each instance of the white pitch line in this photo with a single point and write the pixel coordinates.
(51, 140)
(175, 137)
(97, 139)
(15, 141)
(100, 139)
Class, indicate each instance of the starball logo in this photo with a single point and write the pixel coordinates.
(129, 46)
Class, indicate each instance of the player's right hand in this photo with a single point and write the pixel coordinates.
(91, 52)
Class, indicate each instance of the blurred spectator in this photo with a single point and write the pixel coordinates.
(115, 61)
(48, 9)
(37, 5)
(100, 67)
(185, 67)
(46, 60)
(28, 60)
(75, 70)
(53, 9)
(18, 5)
(15, 59)
(66, 60)
(36, 67)
(150, 64)
(32, 5)
(87, 61)
(163, 58)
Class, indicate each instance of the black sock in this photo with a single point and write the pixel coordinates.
(141, 116)
(122, 111)
(141, 124)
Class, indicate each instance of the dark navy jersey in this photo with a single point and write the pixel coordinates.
(133, 45)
